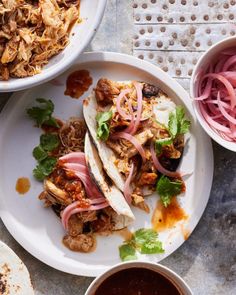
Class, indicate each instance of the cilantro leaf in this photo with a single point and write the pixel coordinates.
(162, 142)
(102, 119)
(38, 173)
(49, 141)
(43, 113)
(173, 125)
(168, 189)
(144, 241)
(177, 123)
(39, 153)
(44, 168)
(127, 252)
(152, 247)
(143, 235)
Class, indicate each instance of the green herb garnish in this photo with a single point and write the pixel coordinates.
(162, 142)
(44, 168)
(144, 241)
(39, 153)
(177, 123)
(43, 114)
(49, 141)
(102, 119)
(167, 189)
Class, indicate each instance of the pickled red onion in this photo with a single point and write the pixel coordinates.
(217, 97)
(127, 189)
(133, 140)
(74, 208)
(138, 88)
(118, 104)
(159, 167)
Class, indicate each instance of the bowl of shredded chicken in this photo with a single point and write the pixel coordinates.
(40, 39)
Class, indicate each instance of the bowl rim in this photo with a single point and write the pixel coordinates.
(28, 82)
(166, 272)
(211, 51)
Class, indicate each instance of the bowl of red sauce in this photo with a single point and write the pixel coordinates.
(213, 90)
(139, 278)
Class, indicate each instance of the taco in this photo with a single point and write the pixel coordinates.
(78, 192)
(138, 132)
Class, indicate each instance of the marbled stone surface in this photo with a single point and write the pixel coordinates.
(207, 260)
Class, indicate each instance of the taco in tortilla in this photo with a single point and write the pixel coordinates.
(138, 132)
(87, 205)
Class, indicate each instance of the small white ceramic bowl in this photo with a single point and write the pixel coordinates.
(175, 279)
(203, 62)
(91, 13)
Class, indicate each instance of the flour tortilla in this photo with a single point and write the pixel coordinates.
(106, 154)
(114, 196)
(14, 276)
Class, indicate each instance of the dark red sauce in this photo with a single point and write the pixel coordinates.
(78, 83)
(137, 281)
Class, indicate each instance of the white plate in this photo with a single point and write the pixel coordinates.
(37, 229)
(14, 274)
(91, 13)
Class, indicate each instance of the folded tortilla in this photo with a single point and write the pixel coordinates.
(114, 196)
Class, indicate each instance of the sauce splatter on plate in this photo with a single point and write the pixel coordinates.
(22, 185)
(77, 83)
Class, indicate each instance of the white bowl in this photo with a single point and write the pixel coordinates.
(205, 59)
(175, 279)
(91, 13)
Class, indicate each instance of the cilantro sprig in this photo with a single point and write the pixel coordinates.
(144, 241)
(167, 189)
(102, 119)
(41, 153)
(177, 123)
(42, 114)
(48, 142)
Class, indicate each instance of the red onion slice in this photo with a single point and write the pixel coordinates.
(138, 88)
(159, 167)
(133, 140)
(127, 188)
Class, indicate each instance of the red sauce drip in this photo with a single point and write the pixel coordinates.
(78, 83)
(135, 281)
(22, 185)
(166, 217)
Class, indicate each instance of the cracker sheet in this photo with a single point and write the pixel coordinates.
(173, 34)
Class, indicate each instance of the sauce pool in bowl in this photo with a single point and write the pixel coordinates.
(137, 281)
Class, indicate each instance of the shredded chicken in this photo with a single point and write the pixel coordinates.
(31, 32)
(105, 91)
(125, 149)
(72, 136)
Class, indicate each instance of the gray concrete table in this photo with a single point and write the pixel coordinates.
(207, 260)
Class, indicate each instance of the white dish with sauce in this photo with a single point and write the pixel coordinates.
(38, 229)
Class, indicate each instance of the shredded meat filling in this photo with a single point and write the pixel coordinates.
(31, 32)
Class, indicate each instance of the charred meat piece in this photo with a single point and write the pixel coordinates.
(103, 224)
(88, 216)
(105, 91)
(178, 148)
(75, 226)
(150, 90)
(80, 243)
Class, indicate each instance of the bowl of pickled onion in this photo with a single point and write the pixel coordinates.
(213, 90)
